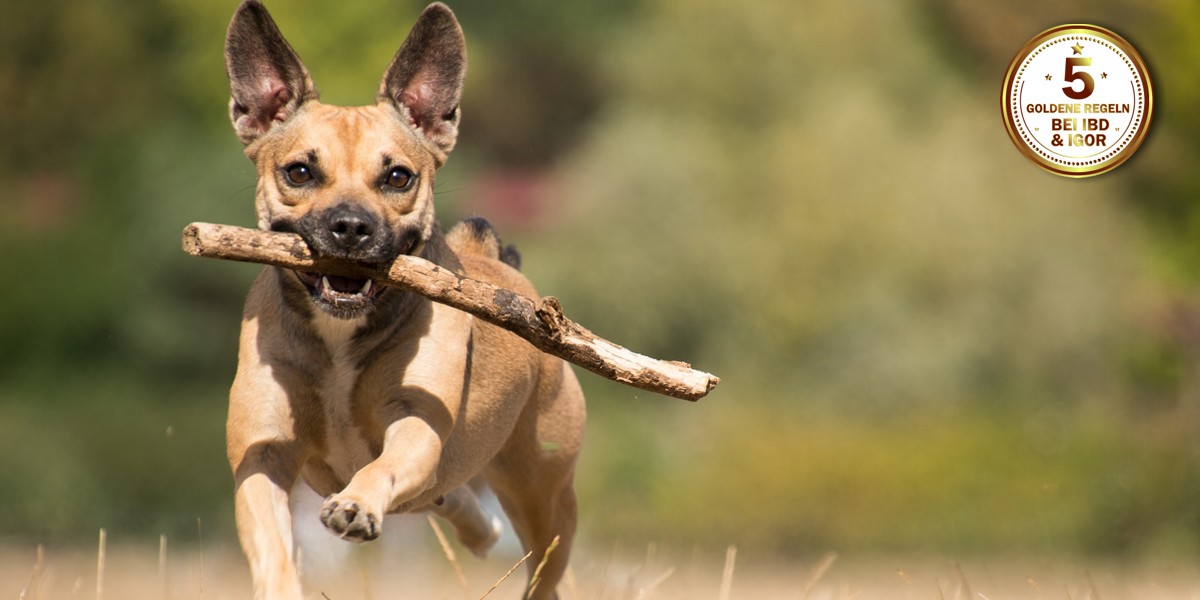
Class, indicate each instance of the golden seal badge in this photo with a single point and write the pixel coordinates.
(1077, 100)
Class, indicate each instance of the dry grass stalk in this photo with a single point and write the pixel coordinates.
(849, 593)
(1034, 583)
(648, 591)
(817, 573)
(35, 577)
(100, 556)
(200, 539)
(1091, 585)
(506, 575)
(537, 572)
(162, 566)
(450, 556)
(604, 576)
(966, 586)
(651, 556)
(727, 574)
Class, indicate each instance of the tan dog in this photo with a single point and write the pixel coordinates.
(381, 400)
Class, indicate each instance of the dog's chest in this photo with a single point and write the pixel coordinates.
(346, 447)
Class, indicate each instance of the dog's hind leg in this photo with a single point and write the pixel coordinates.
(539, 516)
(474, 526)
(534, 476)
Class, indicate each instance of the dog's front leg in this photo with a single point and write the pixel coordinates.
(406, 467)
(264, 522)
(417, 418)
(266, 458)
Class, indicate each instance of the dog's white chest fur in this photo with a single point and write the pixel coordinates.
(347, 449)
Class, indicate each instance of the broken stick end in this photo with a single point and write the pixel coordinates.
(191, 244)
(711, 383)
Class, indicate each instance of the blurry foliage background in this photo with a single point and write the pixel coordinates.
(926, 343)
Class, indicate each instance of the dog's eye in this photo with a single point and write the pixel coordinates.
(298, 174)
(399, 178)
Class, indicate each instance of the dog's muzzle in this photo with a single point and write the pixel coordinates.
(355, 234)
(348, 231)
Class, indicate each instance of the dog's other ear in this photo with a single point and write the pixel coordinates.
(267, 80)
(425, 79)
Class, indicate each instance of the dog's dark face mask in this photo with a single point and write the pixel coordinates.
(349, 232)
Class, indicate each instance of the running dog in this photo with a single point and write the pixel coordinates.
(379, 399)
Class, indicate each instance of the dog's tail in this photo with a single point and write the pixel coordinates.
(476, 236)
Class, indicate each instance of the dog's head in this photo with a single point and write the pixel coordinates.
(355, 183)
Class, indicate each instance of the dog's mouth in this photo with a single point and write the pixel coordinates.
(351, 297)
(342, 297)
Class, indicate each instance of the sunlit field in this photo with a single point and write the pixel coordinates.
(421, 568)
(216, 573)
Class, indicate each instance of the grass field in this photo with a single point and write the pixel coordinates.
(405, 570)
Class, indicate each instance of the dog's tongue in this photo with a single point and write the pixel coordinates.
(345, 285)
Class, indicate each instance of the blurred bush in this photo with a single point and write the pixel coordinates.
(892, 297)
(925, 342)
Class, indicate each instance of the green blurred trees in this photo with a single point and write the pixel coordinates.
(849, 237)
(926, 343)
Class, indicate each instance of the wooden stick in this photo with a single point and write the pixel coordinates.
(450, 556)
(541, 322)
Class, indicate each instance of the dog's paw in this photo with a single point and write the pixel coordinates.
(350, 520)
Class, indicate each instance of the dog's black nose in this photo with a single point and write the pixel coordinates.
(350, 227)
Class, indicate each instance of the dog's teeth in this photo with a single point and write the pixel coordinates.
(325, 287)
(366, 288)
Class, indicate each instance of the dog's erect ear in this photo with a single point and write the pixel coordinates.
(267, 80)
(425, 79)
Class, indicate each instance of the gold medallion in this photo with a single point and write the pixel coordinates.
(1077, 100)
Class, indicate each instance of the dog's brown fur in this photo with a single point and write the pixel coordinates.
(381, 400)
